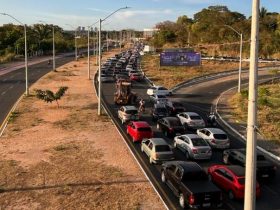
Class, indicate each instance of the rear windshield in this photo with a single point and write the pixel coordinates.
(220, 136)
(241, 181)
(195, 175)
(195, 117)
(144, 129)
(131, 111)
(162, 88)
(199, 142)
(162, 148)
(161, 96)
(175, 123)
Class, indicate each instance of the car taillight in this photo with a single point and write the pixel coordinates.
(155, 156)
(191, 199)
(194, 151)
(213, 140)
(171, 129)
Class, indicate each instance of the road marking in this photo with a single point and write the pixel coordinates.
(11, 87)
(4, 80)
(3, 93)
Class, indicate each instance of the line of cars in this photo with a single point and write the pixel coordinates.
(193, 186)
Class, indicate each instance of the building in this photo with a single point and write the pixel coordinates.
(148, 33)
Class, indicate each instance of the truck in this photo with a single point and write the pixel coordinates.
(124, 94)
(190, 183)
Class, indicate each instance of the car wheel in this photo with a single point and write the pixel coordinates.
(182, 201)
(163, 178)
(230, 195)
(151, 160)
(225, 159)
(187, 155)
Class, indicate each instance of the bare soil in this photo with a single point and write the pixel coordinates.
(68, 157)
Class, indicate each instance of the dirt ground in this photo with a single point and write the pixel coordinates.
(68, 157)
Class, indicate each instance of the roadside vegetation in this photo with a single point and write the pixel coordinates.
(169, 76)
(207, 33)
(268, 109)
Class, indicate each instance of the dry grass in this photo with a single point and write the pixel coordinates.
(170, 76)
(268, 109)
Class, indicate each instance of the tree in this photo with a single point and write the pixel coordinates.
(49, 96)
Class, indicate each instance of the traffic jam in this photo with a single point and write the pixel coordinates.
(161, 127)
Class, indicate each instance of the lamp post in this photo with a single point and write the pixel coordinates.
(76, 51)
(25, 52)
(53, 44)
(89, 48)
(251, 143)
(99, 58)
(240, 56)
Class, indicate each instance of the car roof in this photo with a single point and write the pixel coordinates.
(171, 118)
(159, 105)
(141, 124)
(191, 113)
(237, 170)
(158, 141)
(216, 130)
(130, 107)
(187, 166)
(191, 136)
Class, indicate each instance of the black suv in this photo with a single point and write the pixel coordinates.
(170, 126)
(175, 108)
(159, 111)
(265, 168)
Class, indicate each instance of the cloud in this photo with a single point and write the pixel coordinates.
(190, 2)
(96, 10)
(133, 13)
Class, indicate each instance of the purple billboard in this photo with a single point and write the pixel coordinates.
(180, 59)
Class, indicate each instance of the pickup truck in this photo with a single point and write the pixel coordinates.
(189, 182)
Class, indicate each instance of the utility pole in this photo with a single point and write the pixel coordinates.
(99, 70)
(250, 174)
(53, 50)
(88, 53)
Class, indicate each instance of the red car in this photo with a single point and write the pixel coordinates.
(136, 77)
(231, 179)
(139, 130)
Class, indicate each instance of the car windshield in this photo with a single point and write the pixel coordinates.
(195, 175)
(131, 111)
(220, 136)
(161, 110)
(144, 129)
(162, 88)
(199, 142)
(241, 181)
(162, 148)
(260, 157)
(161, 96)
(195, 117)
(174, 123)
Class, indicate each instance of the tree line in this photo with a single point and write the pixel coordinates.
(209, 32)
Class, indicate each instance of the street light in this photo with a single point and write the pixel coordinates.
(53, 44)
(76, 52)
(89, 50)
(240, 56)
(99, 58)
(25, 52)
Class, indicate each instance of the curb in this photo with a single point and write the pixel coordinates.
(6, 120)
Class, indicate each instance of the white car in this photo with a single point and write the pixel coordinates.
(159, 99)
(216, 137)
(106, 78)
(128, 113)
(159, 90)
(193, 146)
(191, 120)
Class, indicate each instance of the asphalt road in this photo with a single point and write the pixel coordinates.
(12, 84)
(195, 98)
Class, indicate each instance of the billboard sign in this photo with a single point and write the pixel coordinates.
(180, 58)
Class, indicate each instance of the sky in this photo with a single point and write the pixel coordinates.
(141, 14)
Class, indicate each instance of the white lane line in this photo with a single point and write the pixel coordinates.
(11, 87)
(3, 93)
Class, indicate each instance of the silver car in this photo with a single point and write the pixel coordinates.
(216, 137)
(128, 113)
(193, 146)
(191, 120)
(157, 150)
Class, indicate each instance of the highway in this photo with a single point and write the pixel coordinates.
(12, 84)
(198, 98)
